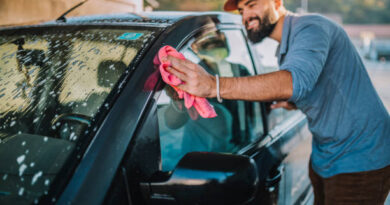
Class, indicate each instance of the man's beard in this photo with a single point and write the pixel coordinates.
(256, 35)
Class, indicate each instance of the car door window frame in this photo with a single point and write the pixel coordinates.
(257, 68)
(227, 27)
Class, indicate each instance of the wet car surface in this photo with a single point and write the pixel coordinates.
(86, 119)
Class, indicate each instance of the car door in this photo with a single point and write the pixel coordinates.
(238, 123)
(284, 158)
(289, 137)
(277, 140)
(241, 128)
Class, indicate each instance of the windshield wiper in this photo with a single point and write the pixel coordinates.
(62, 18)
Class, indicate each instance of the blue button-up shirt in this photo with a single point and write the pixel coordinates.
(349, 123)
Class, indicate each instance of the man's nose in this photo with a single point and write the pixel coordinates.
(245, 17)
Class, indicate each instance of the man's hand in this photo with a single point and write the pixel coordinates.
(284, 104)
(197, 81)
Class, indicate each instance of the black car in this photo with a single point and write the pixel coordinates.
(85, 117)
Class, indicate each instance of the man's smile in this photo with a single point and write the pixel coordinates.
(252, 24)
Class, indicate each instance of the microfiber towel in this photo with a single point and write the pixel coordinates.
(204, 108)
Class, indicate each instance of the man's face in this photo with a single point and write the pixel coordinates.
(259, 18)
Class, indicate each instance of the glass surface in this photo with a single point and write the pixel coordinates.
(238, 123)
(277, 116)
(53, 86)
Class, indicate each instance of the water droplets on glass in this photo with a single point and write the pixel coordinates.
(12, 123)
(63, 79)
(73, 136)
(21, 191)
(47, 182)
(22, 168)
(20, 159)
(36, 177)
(36, 120)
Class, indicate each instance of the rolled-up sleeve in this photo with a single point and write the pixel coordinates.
(306, 58)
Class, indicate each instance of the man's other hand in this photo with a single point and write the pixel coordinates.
(196, 80)
(284, 104)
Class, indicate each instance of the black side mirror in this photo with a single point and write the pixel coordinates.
(205, 178)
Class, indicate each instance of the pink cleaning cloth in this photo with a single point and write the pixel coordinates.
(204, 108)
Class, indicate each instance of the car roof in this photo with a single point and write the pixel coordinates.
(151, 19)
(158, 18)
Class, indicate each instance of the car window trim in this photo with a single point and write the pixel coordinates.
(193, 33)
(263, 138)
(226, 27)
(277, 133)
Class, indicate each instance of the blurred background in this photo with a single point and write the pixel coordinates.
(367, 22)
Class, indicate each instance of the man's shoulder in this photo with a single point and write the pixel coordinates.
(312, 23)
(301, 21)
(309, 18)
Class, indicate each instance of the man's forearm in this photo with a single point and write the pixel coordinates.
(265, 87)
(197, 81)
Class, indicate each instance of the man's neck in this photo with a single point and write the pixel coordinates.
(278, 30)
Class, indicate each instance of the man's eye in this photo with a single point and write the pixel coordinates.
(251, 5)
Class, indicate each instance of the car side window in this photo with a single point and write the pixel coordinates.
(238, 123)
(268, 63)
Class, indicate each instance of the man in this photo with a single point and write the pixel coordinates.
(322, 74)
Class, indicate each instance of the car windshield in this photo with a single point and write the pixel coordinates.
(55, 87)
